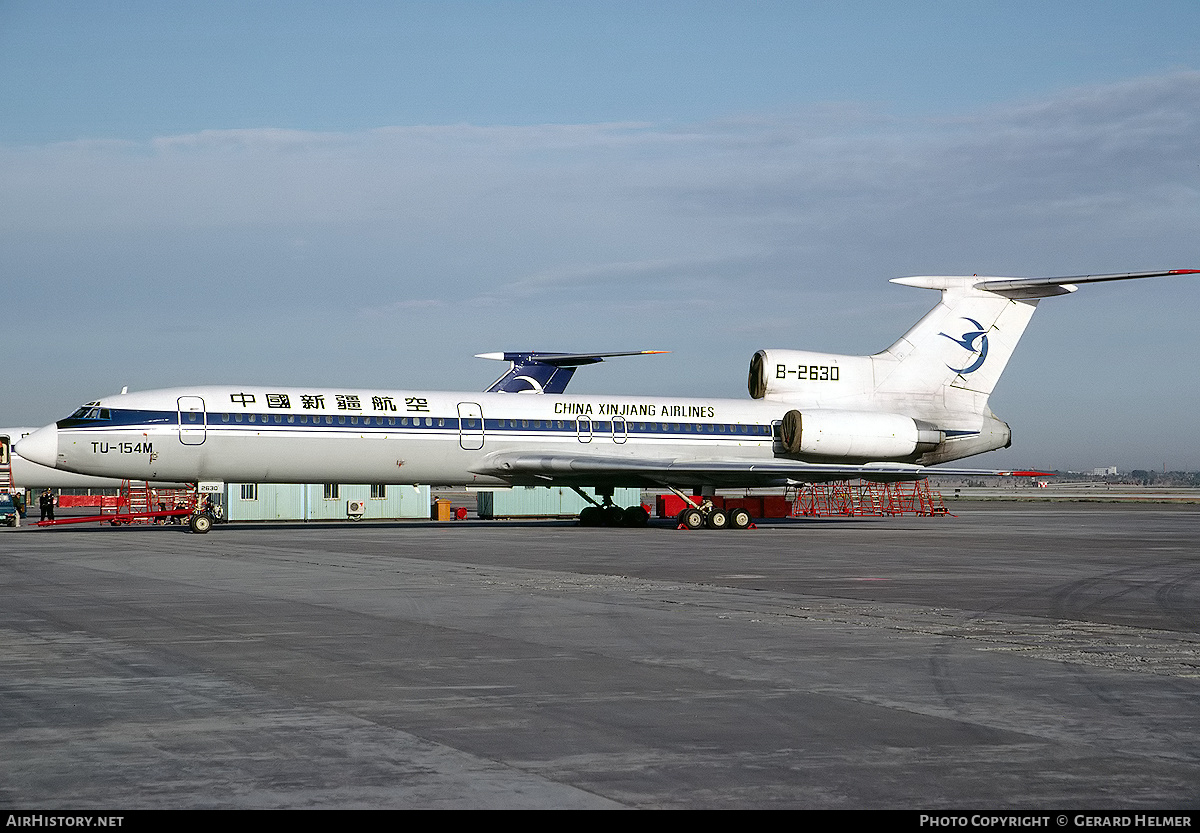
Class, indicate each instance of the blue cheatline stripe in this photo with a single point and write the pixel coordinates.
(534, 427)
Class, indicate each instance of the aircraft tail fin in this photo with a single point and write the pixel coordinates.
(954, 355)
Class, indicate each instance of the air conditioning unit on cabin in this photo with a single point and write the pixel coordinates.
(356, 507)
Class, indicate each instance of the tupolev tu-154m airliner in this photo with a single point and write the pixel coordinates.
(812, 417)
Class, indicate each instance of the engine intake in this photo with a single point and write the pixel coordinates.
(809, 376)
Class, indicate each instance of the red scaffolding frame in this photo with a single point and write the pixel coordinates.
(137, 503)
(864, 498)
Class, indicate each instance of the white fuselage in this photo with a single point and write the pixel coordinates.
(306, 435)
(232, 434)
(27, 474)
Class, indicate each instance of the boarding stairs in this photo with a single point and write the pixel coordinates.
(6, 481)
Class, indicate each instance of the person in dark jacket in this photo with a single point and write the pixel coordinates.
(47, 504)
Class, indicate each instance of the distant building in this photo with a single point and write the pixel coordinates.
(323, 502)
(1104, 471)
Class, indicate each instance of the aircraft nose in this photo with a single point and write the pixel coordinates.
(40, 447)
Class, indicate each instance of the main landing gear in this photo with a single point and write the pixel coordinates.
(700, 514)
(612, 515)
(608, 513)
(707, 515)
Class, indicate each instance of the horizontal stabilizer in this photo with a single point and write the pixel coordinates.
(1029, 287)
(1044, 287)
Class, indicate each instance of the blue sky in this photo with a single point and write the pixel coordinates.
(370, 193)
(134, 70)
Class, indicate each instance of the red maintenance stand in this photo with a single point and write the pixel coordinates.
(137, 503)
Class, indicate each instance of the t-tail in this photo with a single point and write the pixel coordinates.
(939, 374)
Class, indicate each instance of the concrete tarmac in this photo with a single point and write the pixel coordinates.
(1014, 657)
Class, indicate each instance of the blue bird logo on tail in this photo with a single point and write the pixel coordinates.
(967, 341)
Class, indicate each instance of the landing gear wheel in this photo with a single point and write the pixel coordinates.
(200, 524)
(739, 518)
(636, 516)
(718, 519)
(692, 518)
(591, 516)
(613, 515)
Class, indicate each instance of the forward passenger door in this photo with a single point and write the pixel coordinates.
(193, 420)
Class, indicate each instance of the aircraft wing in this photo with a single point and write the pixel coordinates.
(531, 469)
(546, 372)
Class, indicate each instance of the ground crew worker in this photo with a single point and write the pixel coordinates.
(47, 504)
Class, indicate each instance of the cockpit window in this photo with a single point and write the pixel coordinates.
(92, 410)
